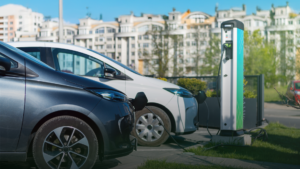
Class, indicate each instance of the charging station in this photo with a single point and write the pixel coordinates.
(232, 76)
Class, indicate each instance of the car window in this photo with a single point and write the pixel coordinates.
(78, 63)
(13, 63)
(117, 71)
(118, 63)
(25, 55)
(33, 51)
(297, 85)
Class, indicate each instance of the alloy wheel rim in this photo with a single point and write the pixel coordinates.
(65, 148)
(149, 127)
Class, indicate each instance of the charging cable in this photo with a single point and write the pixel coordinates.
(166, 129)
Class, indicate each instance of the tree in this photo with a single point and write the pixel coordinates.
(212, 57)
(200, 39)
(164, 49)
(260, 57)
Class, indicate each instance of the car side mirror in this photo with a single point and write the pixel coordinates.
(200, 97)
(5, 64)
(140, 101)
(109, 73)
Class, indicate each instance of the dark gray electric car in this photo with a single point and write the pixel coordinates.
(62, 120)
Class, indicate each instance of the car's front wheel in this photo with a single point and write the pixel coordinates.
(149, 128)
(65, 142)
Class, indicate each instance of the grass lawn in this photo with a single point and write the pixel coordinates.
(156, 164)
(272, 96)
(282, 146)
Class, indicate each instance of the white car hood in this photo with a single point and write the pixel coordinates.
(157, 83)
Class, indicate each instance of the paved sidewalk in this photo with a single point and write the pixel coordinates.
(137, 158)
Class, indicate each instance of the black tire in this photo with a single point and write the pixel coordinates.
(164, 118)
(66, 123)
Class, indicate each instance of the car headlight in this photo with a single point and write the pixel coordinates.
(109, 95)
(297, 93)
(180, 92)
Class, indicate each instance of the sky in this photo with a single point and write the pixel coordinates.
(111, 9)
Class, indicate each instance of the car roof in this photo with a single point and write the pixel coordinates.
(45, 44)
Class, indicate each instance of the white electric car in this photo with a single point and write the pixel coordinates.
(175, 107)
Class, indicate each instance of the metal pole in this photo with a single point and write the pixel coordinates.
(61, 21)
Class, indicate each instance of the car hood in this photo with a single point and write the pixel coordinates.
(149, 81)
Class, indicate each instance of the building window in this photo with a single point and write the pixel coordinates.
(290, 32)
(187, 43)
(109, 38)
(173, 17)
(132, 45)
(119, 38)
(101, 39)
(11, 23)
(187, 35)
(290, 50)
(119, 46)
(272, 32)
(140, 37)
(11, 28)
(91, 32)
(290, 22)
(99, 30)
(20, 23)
(91, 40)
(69, 41)
(290, 41)
(90, 47)
(145, 45)
(110, 30)
(109, 46)
(194, 43)
(146, 37)
(70, 32)
(144, 28)
(51, 34)
(132, 38)
(11, 34)
(132, 53)
(100, 47)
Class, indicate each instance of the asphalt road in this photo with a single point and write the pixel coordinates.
(287, 116)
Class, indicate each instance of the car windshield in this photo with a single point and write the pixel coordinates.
(120, 64)
(27, 56)
(297, 85)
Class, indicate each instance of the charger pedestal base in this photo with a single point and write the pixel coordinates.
(242, 140)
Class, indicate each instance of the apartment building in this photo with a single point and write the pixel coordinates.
(18, 23)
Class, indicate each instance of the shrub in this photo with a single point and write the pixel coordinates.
(162, 78)
(210, 93)
(193, 85)
(248, 94)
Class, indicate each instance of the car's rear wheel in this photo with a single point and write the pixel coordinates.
(149, 128)
(65, 142)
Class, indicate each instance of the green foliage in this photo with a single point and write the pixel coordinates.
(193, 85)
(162, 78)
(211, 60)
(210, 93)
(260, 57)
(248, 94)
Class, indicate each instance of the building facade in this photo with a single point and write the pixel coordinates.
(18, 23)
(125, 38)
